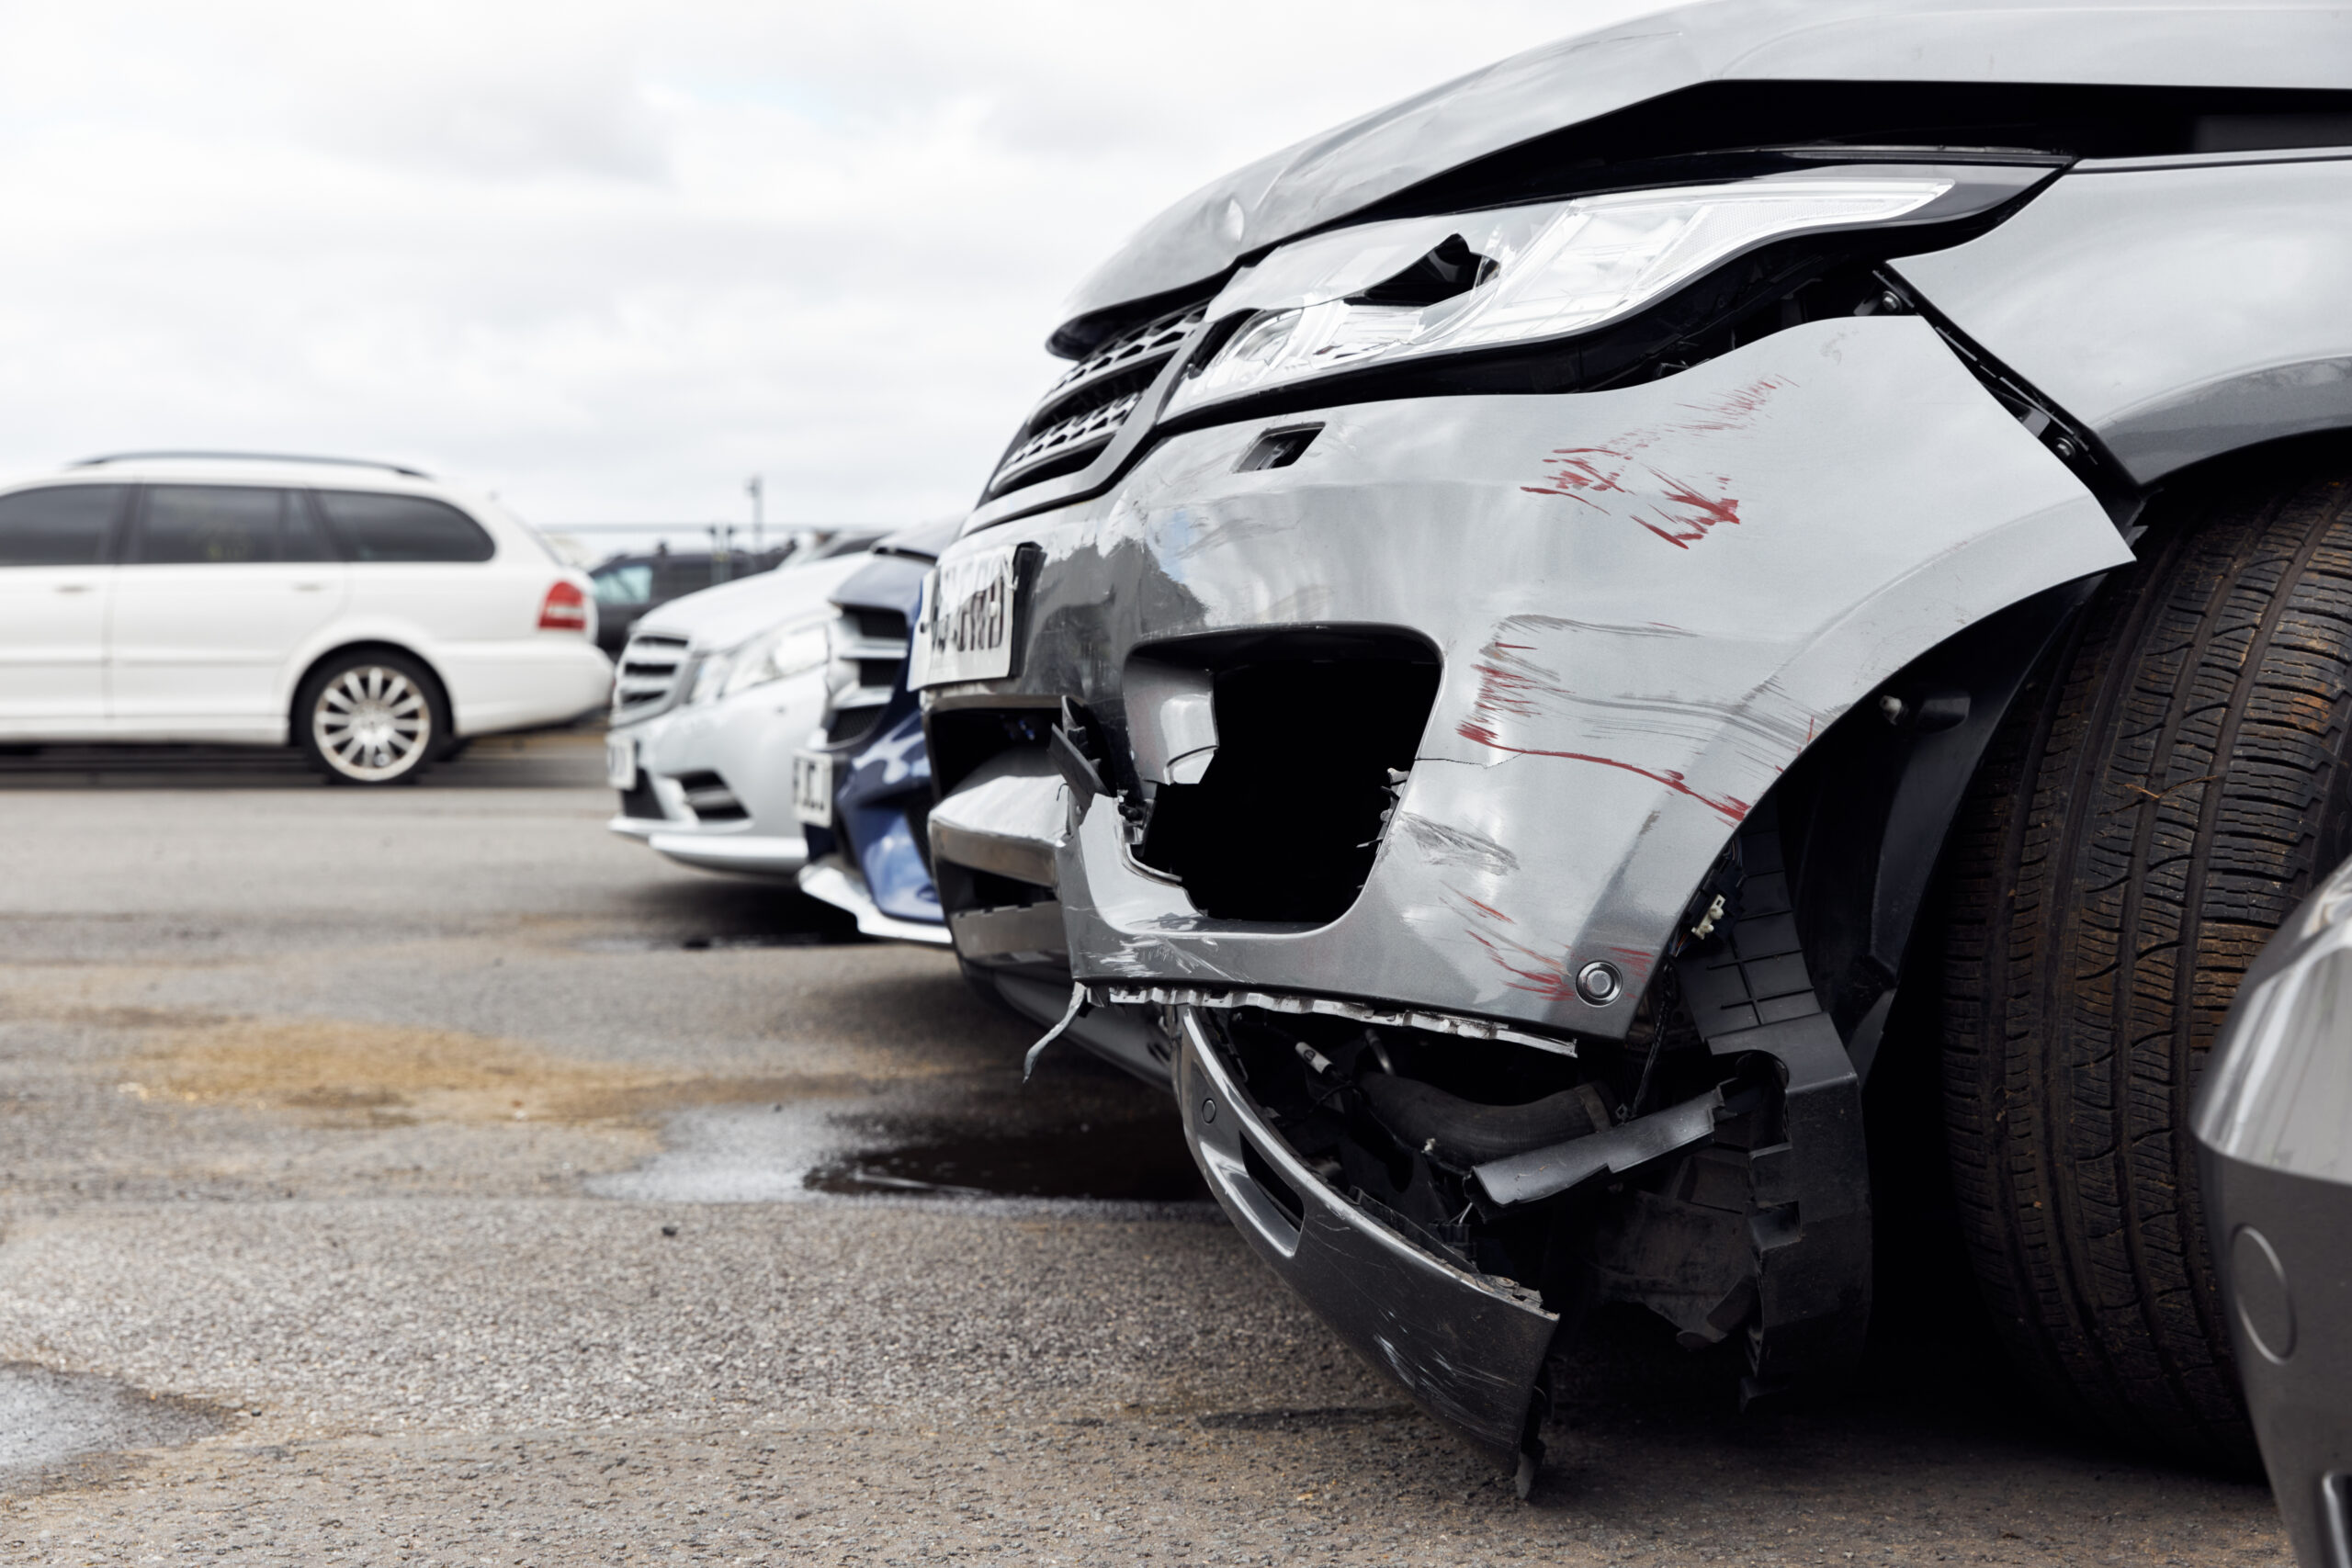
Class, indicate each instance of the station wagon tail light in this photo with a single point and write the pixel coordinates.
(564, 610)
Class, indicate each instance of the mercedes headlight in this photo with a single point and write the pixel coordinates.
(793, 649)
(1516, 275)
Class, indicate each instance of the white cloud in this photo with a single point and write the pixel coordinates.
(610, 258)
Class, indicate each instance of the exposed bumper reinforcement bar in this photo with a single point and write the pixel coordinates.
(1331, 1007)
(1543, 1173)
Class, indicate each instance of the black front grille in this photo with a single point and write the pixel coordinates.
(639, 800)
(708, 797)
(647, 682)
(882, 626)
(1086, 408)
(845, 725)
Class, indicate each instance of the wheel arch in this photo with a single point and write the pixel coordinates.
(1875, 798)
(368, 644)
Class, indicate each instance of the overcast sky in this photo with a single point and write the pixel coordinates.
(609, 259)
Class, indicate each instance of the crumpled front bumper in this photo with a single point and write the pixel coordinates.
(1645, 603)
(1628, 611)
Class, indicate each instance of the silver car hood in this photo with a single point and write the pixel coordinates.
(723, 616)
(2218, 43)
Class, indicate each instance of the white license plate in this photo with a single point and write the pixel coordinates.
(964, 629)
(620, 764)
(812, 788)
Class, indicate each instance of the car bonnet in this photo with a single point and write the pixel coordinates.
(1326, 178)
(726, 615)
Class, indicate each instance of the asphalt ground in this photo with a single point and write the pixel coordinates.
(426, 1175)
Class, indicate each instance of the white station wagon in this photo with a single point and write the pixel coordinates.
(371, 616)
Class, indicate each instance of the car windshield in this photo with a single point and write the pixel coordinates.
(632, 585)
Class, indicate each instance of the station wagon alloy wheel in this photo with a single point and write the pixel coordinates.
(372, 720)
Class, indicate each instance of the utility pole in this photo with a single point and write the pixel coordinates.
(757, 491)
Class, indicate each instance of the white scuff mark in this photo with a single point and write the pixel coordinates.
(1446, 845)
(1604, 629)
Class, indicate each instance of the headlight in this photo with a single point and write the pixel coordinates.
(1521, 274)
(793, 649)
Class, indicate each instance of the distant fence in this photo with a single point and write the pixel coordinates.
(603, 539)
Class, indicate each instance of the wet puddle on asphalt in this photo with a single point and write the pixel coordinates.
(738, 1154)
(48, 1418)
(722, 941)
(1117, 1162)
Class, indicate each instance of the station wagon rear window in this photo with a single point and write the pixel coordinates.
(375, 526)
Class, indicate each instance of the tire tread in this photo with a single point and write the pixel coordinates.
(2162, 795)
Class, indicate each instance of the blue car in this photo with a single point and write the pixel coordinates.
(863, 790)
(862, 787)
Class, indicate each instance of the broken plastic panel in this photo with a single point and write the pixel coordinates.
(1447, 1209)
(1277, 772)
(1171, 720)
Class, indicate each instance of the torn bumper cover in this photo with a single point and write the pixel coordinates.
(1443, 752)
(1466, 1346)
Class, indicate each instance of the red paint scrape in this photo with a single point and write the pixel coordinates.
(1730, 807)
(1547, 976)
(1636, 961)
(1486, 909)
(1676, 511)
(1548, 979)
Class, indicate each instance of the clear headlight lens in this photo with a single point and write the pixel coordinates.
(1548, 271)
(793, 649)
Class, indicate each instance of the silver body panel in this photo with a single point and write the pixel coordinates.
(2277, 1182)
(748, 740)
(1009, 817)
(2178, 308)
(1647, 602)
(1326, 178)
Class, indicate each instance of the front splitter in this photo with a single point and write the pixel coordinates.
(1466, 1347)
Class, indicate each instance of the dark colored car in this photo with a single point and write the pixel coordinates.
(2274, 1130)
(862, 786)
(864, 793)
(627, 586)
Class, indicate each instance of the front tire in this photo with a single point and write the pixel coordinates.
(2157, 803)
(370, 717)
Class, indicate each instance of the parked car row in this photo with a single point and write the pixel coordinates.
(1535, 652)
(715, 693)
(1551, 635)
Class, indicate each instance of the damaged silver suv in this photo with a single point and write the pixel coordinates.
(1552, 633)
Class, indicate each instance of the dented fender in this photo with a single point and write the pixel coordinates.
(1646, 602)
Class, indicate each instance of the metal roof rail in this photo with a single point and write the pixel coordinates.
(250, 457)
